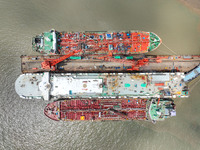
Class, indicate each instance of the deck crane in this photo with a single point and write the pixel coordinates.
(135, 64)
(158, 101)
(50, 64)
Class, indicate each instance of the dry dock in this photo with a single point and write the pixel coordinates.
(164, 63)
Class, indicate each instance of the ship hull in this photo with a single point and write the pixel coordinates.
(110, 109)
(96, 109)
(49, 86)
(102, 42)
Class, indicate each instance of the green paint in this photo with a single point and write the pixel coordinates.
(154, 41)
(143, 85)
(117, 57)
(129, 57)
(127, 85)
(116, 106)
(48, 41)
(75, 57)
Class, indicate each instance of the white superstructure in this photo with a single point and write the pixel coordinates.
(100, 85)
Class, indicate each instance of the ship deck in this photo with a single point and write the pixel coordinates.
(97, 109)
(104, 42)
(101, 85)
(151, 109)
(98, 42)
(159, 111)
(32, 64)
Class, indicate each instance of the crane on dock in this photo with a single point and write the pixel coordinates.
(50, 64)
(136, 64)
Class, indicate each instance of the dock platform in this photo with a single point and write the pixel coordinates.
(161, 63)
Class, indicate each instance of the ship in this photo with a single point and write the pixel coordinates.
(72, 64)
(111, 109)
(96, 42)
(192, 74)
(52, 86)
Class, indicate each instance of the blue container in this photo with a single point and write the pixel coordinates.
(70, 92)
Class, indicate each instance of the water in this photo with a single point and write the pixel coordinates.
(22, 122)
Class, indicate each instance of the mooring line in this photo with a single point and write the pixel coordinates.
(192, 86)
(169, 49)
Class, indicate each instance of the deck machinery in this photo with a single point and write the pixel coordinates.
(52, 86)
(152, 63)
(103, 96)
(111, 109)
(101, 45)
(99, 42)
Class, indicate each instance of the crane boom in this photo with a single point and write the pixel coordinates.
(135, 64)
(50, 63)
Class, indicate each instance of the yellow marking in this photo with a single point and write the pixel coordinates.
(82, 117)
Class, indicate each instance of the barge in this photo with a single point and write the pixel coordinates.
(192, 74)
(111, 109)
(98, 42)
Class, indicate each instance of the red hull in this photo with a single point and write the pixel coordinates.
(109, 109)
(121, 43)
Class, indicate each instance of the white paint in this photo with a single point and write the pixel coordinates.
(63, 86)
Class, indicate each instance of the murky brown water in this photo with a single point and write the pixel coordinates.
(22, 123)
